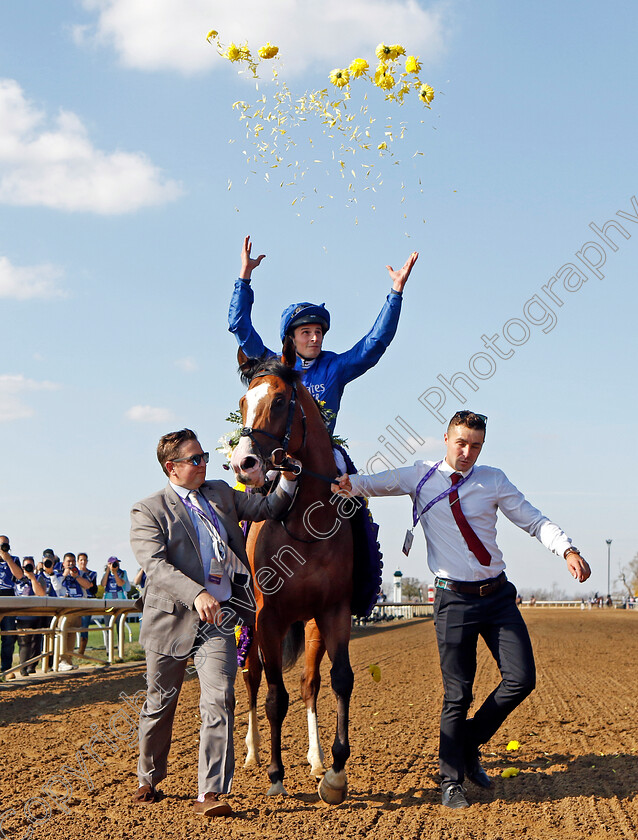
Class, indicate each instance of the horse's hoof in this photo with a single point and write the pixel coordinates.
(317, 770)
(251, 761)
(277, 789)
(333, 788)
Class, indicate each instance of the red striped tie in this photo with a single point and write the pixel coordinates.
(473, 543)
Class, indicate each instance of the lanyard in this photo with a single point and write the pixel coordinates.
(432, 502)
(211, 520)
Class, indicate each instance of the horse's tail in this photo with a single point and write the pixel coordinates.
(292, 645)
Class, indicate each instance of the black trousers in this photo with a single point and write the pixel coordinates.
(460, 620)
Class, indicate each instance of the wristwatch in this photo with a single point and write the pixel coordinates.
(571, 550)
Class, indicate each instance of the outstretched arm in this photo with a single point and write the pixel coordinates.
(241, 304)
(400, 276)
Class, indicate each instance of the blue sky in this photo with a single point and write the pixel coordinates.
(120, 241)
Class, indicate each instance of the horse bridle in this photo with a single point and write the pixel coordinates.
(250, 431)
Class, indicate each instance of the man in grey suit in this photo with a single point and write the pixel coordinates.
(187, 539)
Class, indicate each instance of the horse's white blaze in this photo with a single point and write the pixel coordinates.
(252, 740)
(253, 397)
(315, 753)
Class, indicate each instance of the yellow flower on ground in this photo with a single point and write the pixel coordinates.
(358, 67)
(269, 51)
(212, 34)
(513, 745)
(426, 94)
(412, 64)
(339, 77)
(383, 78)
(375, 672)
(233, 53)
(510, 772)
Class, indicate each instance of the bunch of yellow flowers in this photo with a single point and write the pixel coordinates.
(385, 74)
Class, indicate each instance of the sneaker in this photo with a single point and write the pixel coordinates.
(454, 796)
(66, 666)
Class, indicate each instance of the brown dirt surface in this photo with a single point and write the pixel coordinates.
(577, 759)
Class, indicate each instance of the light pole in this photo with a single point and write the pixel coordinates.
(608, 567)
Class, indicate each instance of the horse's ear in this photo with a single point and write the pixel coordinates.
(244, 362)
(288, 355)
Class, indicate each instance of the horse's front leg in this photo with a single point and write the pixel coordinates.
(276, 699)
(335, 629)
(310, 682)
(252, 680)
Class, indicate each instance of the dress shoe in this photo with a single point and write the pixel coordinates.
(145, 795)
(454, 796)
(475, 773)
(210, 806)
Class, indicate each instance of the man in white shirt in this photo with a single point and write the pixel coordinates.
(457, 503)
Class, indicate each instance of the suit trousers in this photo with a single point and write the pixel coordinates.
(460, 620)
(215, 659)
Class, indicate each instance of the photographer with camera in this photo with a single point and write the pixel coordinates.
(49, 578)
(10, 571)
(74, 585)
(115, 580)
(29, 645)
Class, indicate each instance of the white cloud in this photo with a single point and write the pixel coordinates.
(28, 281)
(188, 364)
(53, 163)
(170, 34)
(149, 414)
(12, 386)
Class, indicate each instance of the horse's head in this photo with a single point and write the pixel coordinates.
(268, 409)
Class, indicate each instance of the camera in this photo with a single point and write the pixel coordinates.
(115, 564)
(28, 564)
(5, 547)
(48, 563)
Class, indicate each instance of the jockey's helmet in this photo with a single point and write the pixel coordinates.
(298, 314)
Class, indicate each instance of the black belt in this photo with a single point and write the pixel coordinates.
(487, 587)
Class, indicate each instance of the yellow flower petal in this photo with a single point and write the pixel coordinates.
(212, 34)
(510, 772)
(375, 671)
(513, 745)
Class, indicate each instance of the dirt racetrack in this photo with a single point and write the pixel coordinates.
(578, 761)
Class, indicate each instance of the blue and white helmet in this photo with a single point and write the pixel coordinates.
(298, 314)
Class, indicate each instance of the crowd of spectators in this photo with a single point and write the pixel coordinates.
(51, 577)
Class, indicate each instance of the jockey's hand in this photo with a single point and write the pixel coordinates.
(248, 262)
(343, 485)
(400, 276)
(292, 474)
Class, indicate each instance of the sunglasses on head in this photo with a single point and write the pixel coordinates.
(194, 460)
(463, 415)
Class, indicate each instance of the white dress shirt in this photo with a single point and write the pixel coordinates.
(487, 491)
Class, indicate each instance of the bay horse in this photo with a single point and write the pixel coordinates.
(302, 565)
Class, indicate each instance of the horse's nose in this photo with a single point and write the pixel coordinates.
(248, 463)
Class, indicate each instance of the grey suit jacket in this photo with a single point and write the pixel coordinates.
(166, 546)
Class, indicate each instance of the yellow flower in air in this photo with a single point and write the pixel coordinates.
(383, 78)
(269, 51)
(358, 67)
(375, 672)
(382, 146)
(384, 52)
(513, 745)
(340, 78)
(212, 34)
(412, 64)
(426, 94)
(510, 772)
(233, 53)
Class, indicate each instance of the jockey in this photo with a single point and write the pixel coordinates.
(324, 373)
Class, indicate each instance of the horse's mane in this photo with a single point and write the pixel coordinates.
(272, 366)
